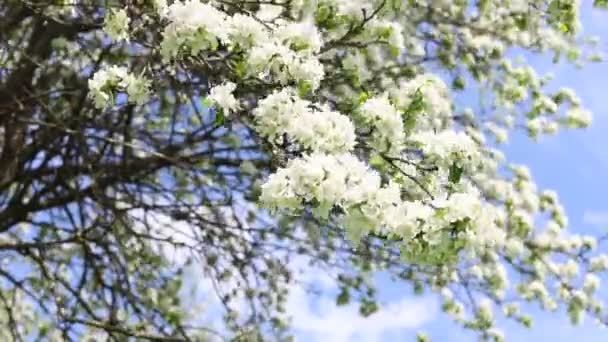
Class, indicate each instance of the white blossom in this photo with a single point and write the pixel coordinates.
(106, 82)
(385, 123)
(221, 96)
(578, 117)
(116, 25)
(591, 283)
(319, 129)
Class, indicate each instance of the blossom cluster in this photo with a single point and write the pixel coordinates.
(106, 82)
(385, 122)
(447, 144)
(430, 91)
(222, 96)
(315, 128)
(281, 49)
(116, 25)
(343, 181)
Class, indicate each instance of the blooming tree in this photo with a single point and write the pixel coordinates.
(241, 135)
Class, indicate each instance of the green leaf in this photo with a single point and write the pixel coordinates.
(385, 33)
(356, 225)
(206, 102)
(409, 121)
(420, 337)
(304, 88)
(526, 321)
(363, 97)
(394, 51)
(455, 173)
(43, 330)
(240, 69)
(603, 4)
(573, 55)
(220, 118)
(376, 160)
(458, 83)
(418, 288)
(368, 308)
(323, 14)
(322, 210)
(173, 317)
(522, 22)
(343, 298)
(417, 105)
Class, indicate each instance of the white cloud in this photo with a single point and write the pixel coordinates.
(341, 324)
(319, 319)
(596, 218)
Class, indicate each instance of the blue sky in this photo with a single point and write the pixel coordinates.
(575, 163)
